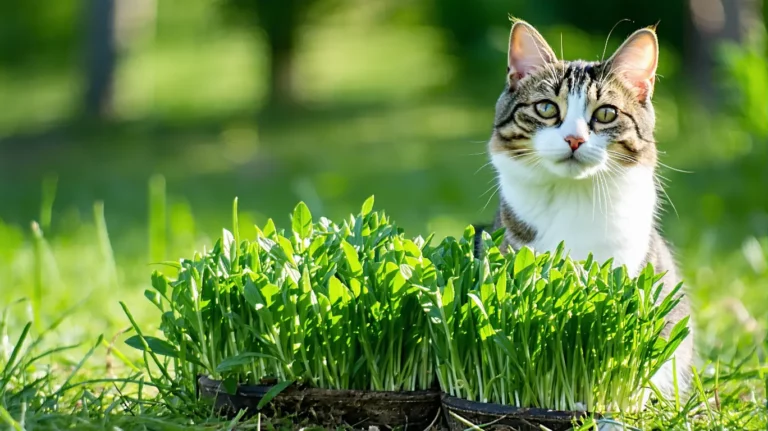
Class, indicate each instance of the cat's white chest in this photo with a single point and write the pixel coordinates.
(610, 219)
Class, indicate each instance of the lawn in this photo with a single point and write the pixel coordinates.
(88, 211)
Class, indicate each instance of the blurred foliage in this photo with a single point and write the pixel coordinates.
(38, 32)
(280, 23)
(471, 32)
(746, 73)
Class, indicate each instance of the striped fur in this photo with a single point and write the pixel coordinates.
(570, 177)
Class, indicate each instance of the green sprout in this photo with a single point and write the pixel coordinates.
(357, 305)
(329, 305)
(543, 330)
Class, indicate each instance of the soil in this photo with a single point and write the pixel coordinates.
(360, 409)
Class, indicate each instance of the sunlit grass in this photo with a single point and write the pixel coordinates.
(100, 382)
(544, 330)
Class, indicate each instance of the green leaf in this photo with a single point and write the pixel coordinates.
(367, 206)
(154, 298)
(501, 285)
(230, 385)
(246, 358)
(252, 294)
(486, 329)
(159, 282)
(269, 228)
(254, 297)
(17, 349)
(227, 244)
(268, 292)
(156, 345)
(338, 292)
(352, 259)
(287, 247)
(679, 332)
(448, 297)
(316, 247)
(302, 221)
(523, 259)
(273, 392)
(355, 287)
(469, 233)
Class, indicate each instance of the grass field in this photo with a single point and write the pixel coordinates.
(107, 202)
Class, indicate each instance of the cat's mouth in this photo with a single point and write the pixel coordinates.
(569, 159)
(576, 159)
(574, 166)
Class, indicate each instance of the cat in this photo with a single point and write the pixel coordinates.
(574, 152)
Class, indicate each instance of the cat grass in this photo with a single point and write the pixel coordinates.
(544, 330)
(323, 304)
(358, 305)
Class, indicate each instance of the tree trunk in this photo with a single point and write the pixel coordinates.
(101, 58)
(280, 21)
(711, 23)
(281, 74)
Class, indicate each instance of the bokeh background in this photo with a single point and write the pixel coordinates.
(158, 113)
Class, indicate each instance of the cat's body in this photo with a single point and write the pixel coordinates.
(575, 156)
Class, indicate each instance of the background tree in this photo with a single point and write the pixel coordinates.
(281, 23)
(709, 24)
(101, 58)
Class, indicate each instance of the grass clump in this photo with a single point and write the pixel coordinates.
(357, 305)
(325, 304)
(543, 330)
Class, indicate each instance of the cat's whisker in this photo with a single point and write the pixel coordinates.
(631, 159)
(611, 207)
(482, 167)
(615, 185)
(495, 190)
(606, 196)
(664, 180)
(659, 181)
(594, 190)
(608, 39)
(493, 187)
(599, 195)
(523, 155)
(601, 190)
(622, 156)
(663, 190)
(674, 169)
(614, 167)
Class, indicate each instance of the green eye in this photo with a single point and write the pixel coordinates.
(546, 109)
(605, 114)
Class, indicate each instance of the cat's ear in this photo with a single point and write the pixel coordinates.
(636, 61)
(527, 51)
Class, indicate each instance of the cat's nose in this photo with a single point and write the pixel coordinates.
(574, 141)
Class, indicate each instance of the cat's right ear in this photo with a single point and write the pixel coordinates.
(528, 51)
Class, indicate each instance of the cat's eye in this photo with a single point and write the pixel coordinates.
(546, 109)
(605, 114)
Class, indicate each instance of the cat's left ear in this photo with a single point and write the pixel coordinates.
(636, 61)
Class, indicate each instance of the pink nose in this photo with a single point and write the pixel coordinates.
(574, 141)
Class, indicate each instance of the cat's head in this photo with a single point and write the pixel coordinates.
(574, 119)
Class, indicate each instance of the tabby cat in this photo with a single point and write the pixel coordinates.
(573, 146)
